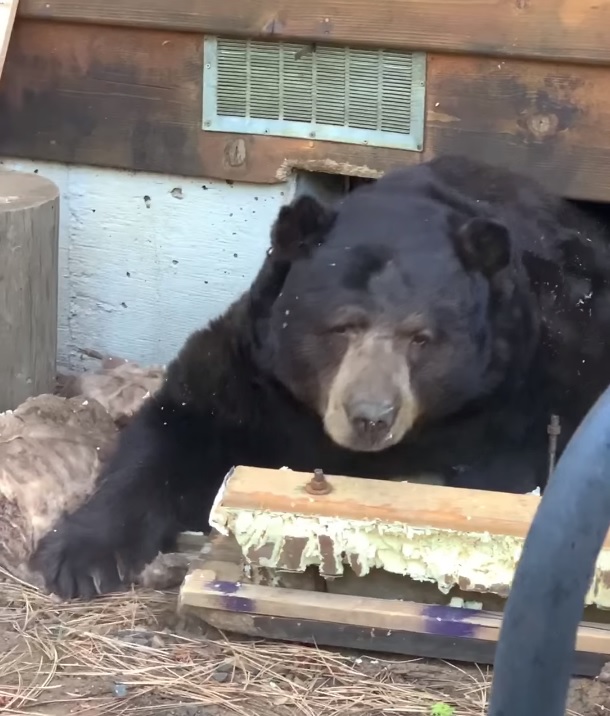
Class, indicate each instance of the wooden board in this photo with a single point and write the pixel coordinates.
(8, 12)
(469, 540)
(204, 590)
(550, 29)
(215, 592)
(131, 99)
(353, 499)
(396, 641)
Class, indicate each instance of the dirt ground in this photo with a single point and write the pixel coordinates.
(131, 654)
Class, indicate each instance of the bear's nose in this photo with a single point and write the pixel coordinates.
(372, 418)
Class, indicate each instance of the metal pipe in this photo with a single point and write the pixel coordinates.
(535, 653)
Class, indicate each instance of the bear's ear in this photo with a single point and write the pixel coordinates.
(482, 245)
(299, 228)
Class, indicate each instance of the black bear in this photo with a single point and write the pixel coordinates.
(428, 324)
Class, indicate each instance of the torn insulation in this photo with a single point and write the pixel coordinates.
(296, 535)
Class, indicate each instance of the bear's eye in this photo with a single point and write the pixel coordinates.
(420, 339)
(344, 321)
(344, 328)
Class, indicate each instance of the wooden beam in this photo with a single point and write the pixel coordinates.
(424, 630)
(8, 12)
(453, 538)
(131, 99)
(355, 499)
(546, 29)
(204, 590)
(362, 639)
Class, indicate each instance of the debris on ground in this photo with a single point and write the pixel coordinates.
(130, 654)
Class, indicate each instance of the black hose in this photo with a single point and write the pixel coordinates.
(535, 654)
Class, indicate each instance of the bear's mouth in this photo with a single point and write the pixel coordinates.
(362, 434)
(363, 443)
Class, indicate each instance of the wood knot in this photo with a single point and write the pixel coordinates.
(235, 153)
(542, 126)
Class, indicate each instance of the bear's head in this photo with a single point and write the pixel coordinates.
(395, 315)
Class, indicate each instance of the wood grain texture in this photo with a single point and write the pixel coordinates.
(212, 593)
(29, 224)
(457, 539)
(125, 98)
(361, 639)
(550, 29)
(206, 589)
(351, 498)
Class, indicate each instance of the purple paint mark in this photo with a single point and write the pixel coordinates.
(237, 604)
(449, 621)
(229, 600)
(226, 587)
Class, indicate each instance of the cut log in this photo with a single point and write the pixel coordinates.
(29, 229)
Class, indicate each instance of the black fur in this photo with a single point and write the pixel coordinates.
(499, 265)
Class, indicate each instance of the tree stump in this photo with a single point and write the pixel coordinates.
(29, 230)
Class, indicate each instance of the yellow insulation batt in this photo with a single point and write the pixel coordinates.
(452, 537)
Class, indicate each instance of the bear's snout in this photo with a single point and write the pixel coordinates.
(370, 403)
(371, 420)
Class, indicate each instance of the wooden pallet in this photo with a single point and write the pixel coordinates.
(287, 567)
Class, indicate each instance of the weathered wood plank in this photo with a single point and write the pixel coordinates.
(219, 593)
(266, 490)
(205, 590)
(549, 29)
(119, 97)
(397, 641)
(451, 537)
(353, 498)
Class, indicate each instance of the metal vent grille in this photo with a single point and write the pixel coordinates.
(338, 94)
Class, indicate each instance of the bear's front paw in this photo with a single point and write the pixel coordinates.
(76, 562)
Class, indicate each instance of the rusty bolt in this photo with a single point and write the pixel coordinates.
(318, 485)
(554, 427)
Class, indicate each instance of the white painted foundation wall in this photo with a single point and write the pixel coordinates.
(145, 259)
